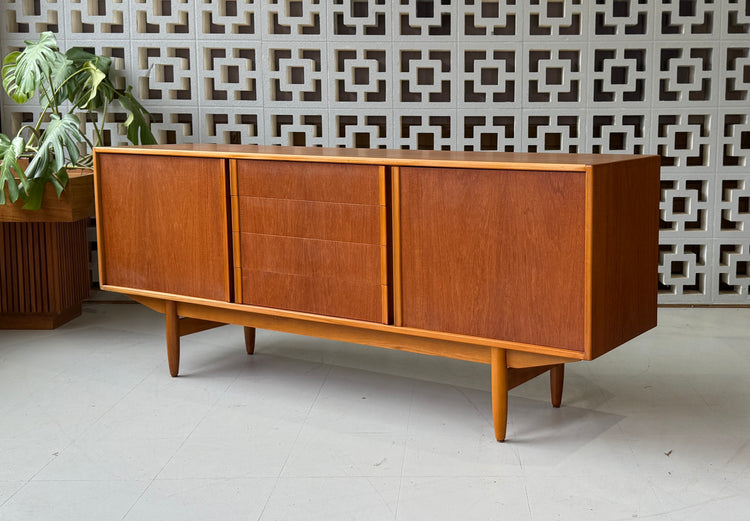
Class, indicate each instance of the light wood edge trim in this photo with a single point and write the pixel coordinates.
(238, 309)
(380, 338)
(398, 317)
(238, 284)
(99, 222)
(588, 265)
(384, 264)
(226, 212)
(236, 241)
(384, 303)
(388, 339)
(234, 183)
(382, 186)
(355, 159)
(383, 225)
(236, 230)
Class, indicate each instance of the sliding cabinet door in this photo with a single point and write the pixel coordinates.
(164, 224)
(494, 254)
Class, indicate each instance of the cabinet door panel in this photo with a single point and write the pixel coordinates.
(163, 224)
(494, 254)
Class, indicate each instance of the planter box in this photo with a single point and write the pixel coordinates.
(75, 203)
(44, 257)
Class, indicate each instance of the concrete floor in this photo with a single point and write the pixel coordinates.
(92, 427)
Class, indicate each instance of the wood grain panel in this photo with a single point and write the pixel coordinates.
(75, 203)
(310, 220)
(44, 274)
(163, 224)
(336, 183)
(324, 296)
(495, 254)
(346, 261)
(625, 252)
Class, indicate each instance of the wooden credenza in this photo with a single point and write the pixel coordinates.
(524, 262)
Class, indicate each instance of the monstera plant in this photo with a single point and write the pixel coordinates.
(74, 89)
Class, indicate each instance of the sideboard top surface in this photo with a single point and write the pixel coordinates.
(386, 157)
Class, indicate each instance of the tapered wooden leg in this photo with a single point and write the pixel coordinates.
(250, 340)
(173, 338)
(556, 377)
(499, 392)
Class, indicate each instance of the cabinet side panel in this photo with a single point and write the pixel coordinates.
(494, 254)
(163, 224)
(625, 252)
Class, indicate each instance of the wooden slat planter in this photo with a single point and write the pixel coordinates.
(44, 272)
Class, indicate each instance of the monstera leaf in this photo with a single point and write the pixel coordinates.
(26, 72)
(139, 130)
(10, 152)
(10, 65)
(72, 87)
(4, 144)
(63, 134)
(90, 87)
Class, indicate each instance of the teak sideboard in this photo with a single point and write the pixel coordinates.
(524, 262)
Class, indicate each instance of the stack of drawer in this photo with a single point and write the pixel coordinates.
(311, 237)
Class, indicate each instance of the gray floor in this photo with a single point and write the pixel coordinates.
(93, 428)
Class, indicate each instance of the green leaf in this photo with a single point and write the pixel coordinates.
(10, 171)
(4, 144)
(78, 56)
(34, 194)
(59, 180)
(137, 123)
(61, 135)
(36, 64)
(92, 74)
(94, 78)
(62, 78)
(56, 140)
(10, 64)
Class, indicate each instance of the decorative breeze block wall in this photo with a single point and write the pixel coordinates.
(667, 77)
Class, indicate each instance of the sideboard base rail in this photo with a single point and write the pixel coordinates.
(508, 368)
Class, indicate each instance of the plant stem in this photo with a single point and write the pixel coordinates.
(100, 130)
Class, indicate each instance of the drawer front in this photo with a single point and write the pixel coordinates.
(333, 183)
(311, 237)
(346, 261)
(310, 219)
(323, 296)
